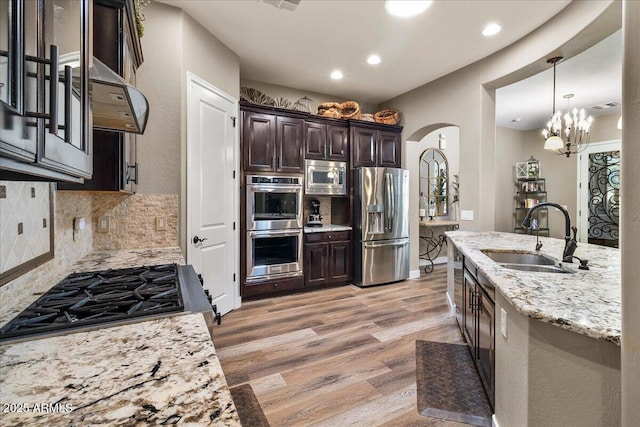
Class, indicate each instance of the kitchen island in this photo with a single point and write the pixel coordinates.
(557, 335)
(151, 372)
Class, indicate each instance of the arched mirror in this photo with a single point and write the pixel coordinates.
(434, 182)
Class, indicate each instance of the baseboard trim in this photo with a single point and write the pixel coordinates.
(494, 421)
(451, 304)
(414, 274)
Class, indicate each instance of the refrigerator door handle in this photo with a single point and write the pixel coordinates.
(392, 200)
(385, 244)
(388, 202)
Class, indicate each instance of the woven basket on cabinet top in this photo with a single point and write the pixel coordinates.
(387, 116)
(350, 110)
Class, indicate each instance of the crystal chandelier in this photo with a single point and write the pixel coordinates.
(574, 126)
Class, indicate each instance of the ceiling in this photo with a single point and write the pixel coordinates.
(593, 76)
(300, 48)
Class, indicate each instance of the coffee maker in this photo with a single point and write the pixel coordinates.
(315, 219)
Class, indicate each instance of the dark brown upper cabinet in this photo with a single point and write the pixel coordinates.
(259, 141)
(272, 143)
(326, 141)
(47, 118)
(389, 149)
(372, 146)
(289, 142)
(116, 43)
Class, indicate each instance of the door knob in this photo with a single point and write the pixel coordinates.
(197, 240)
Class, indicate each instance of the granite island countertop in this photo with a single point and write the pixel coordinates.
(586, 302)
(162, 370)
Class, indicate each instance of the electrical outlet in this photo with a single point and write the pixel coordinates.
(161, 223)
(503, 322)
(103, 224)
(466, 215)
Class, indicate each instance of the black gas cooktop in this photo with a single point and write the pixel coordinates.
(84, 299)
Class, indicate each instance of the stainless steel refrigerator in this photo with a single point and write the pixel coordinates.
(381, 219)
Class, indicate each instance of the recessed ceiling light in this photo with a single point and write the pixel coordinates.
(491, 29)
(336, 75)
(373, 59)
(406, 9)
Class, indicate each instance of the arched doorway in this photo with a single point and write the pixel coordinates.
(446, 139)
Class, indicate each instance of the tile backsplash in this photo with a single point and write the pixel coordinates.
(325, 208)
(25, 223)
(69, 247)
(135, 221)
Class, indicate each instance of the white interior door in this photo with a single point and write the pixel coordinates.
(212, 193)
(598, 192)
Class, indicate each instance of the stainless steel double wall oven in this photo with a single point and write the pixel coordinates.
(274, 227)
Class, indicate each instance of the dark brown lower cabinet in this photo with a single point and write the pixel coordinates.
(272, 287)
(316, 265)
(327, 258)
(479, 324)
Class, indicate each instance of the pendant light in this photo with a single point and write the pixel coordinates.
(574, 126)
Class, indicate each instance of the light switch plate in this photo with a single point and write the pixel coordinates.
(103, 224)
(466, 215)
(161, 223)
(503, 322)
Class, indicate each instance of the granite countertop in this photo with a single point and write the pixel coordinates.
(156, 372)
(439, 223)
(125, 258)
(327, 228)
(586, 302)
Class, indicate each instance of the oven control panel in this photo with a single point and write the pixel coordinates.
(262, 179)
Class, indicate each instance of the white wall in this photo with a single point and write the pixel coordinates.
(159, 79)
(174, 44)
(461, 99)
(549, 376)
(630, 235)
(510, 149)
(559, 172)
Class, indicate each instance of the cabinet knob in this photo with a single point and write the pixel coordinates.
(275, 285)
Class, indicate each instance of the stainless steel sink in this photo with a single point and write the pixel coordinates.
(526, 261)
(509, 257)
(537, 268)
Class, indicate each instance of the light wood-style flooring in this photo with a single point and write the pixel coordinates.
(342, 356)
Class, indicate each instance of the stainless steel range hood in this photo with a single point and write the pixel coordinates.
(116, 104)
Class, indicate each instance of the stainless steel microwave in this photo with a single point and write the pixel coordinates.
(325, 177)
